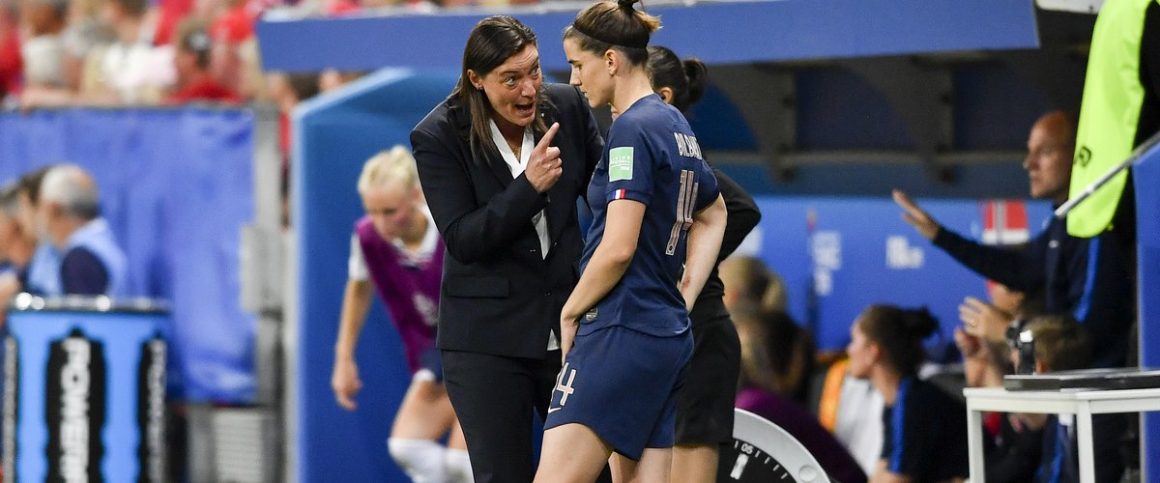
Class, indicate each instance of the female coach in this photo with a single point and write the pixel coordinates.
(502, 162)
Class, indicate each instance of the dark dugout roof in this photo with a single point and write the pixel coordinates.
(717, 32)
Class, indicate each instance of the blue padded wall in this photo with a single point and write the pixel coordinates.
(739, 32)
(176, 186)
(1146, 176)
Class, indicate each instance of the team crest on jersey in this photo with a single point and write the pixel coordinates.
(620, 164)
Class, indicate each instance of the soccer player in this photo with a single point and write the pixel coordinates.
(625, 328)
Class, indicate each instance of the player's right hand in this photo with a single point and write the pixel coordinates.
(345, 383)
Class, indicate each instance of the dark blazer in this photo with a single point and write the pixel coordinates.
(499, 296)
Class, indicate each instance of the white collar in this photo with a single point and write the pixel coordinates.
(516, 165)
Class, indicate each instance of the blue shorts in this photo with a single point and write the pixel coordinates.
(430, 366)
(622, 384)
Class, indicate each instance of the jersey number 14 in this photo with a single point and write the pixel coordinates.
(686, 200)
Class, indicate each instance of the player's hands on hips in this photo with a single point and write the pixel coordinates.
(915, 216)
(345, 382)
(568, 327)
(544, 164)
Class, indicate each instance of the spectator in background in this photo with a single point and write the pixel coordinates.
(1059, 343)
(16, 246)
(1086, 278)
(924, 428)
(170, 13)
(191, 61)
(287, 90)
(773, 355)
(44, 263)
(783, 368)
(84, 33)
(9, 221)
(46, 76)
(233, 21)
(852, 409)
(252, 85)
(17, 243)
(11, 66)
(1012, 448)
(90, 262)
(131, 70)
(751, 286)
(231, 28)
(43, 49)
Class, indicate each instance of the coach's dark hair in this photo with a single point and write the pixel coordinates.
(614, 24)
(492, 41)
(899, 332)
(687, 79)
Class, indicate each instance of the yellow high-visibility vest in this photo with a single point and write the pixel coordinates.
(1109, 113)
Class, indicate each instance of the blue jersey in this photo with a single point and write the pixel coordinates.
(651, 156)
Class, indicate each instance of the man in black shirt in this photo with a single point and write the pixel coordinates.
(1086, 278)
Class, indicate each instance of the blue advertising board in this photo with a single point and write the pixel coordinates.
(839, 255)
(85, 396)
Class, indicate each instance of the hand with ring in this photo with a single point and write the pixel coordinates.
(984, 320)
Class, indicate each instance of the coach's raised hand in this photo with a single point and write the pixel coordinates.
(544, 165)
(916, 216)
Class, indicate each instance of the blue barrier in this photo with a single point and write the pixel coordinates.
(738, 32)
(176, 187)
(1146, 177)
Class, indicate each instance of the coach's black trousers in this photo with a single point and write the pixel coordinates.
(495, 398)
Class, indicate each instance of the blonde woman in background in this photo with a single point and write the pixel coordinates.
(396, 249)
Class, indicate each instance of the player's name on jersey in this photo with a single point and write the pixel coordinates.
(687, 146)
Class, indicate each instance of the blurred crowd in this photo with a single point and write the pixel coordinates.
(159, 52)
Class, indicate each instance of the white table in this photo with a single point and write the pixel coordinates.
(1082, 403)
